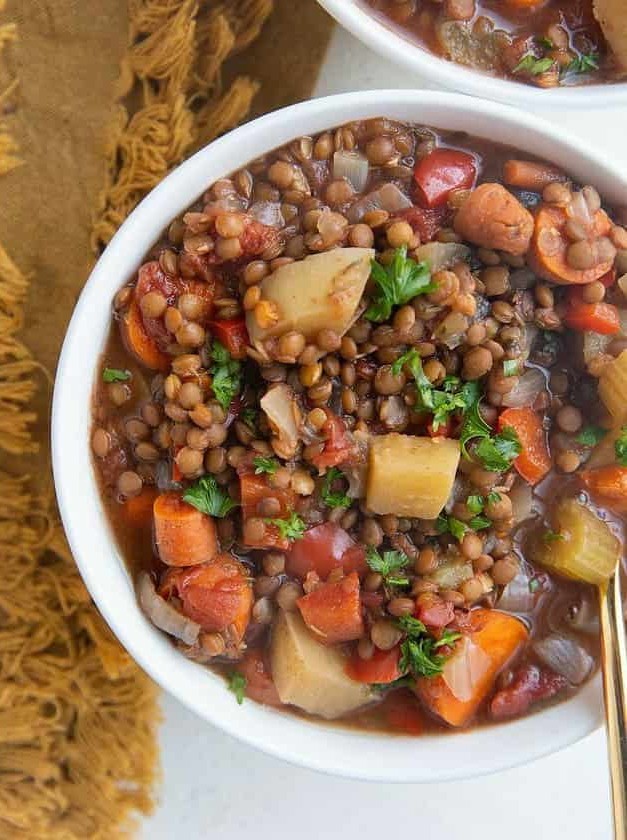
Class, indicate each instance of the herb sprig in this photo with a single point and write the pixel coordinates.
(115, 375)
(237, 684)
(292, 528)
(397, 283)
(334, 498)
(207, 496)
(227, 375)
(265, 465)
(388, 565)
(620, 447)
(419, 651)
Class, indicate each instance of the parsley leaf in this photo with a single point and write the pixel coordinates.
(334, 498)
(115, 375)
(263, 464)
(387, 565)
(494, 497)
(510, 367)
(413, 361)
(584, 63)
(533, 66)
(498, 452)
(478, 523)
(292, 528)
(552, 536)
(475, 503)
(226, 373)
(474, 426)
(450, 525)
(534, 585)
(412, 626)
(397, 284)
(237, 684)
(544, 42)
(590, 435)
(620, 447)
(418, 650)
(208, 497)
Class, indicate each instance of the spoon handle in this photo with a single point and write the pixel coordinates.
(614, 656)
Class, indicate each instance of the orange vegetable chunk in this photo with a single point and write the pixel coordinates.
(534, 461)
(183, 535)
(333, 611)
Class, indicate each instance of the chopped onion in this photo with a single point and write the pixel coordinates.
(521, 497)
(526, 390)
(594, 344)
(530, 333)
(230, 203)
(388, 197)
(441, 255)
(357, 473)
(578, 209)
(353, 166)
(585, 617)
(162, 614)
(565, 656)
(465, 668)
(452, 329)
(268, 213)
(282, 412)
(163, 477)
(517, 596)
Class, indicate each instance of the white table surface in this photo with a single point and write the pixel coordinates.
(216, 787)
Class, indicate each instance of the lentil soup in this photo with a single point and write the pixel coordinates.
(360, 428)
(546, 43)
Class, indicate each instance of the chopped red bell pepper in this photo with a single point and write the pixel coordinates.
(439, 173)
(591, 317)
(233, 335)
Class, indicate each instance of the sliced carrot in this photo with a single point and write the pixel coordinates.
(217, 595)
(530, 175)
(494, 218)
(495, 638)
(137, 511)
(382, 667)
(534, 461)
(549, 244)
(333, 611)
(608, 484)
(137, 341)
(256, 488)
(259, 683)
(183, 535)
(603, 318)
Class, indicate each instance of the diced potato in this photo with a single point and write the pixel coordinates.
(309, 675)
(613, 387)
(441, 255)
(411, 476)
(452, 573)
(584, 549)
(321, 291)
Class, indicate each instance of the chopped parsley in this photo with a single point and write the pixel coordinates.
(544, 42)
(237, 684)
(590, 435)
(226, 373)
(510, 367)
(419, 654)
(292, 528)
(450, 525)
(388, 565)
(208, 497)
(552, 536)
(497, 453)
(620, 447)
(584, 63)
(534, 585)
(533, 66)
(115, 375)
(397, 284)
(494, 497)
(478, 523)
(475, 503)
(266, 465)
(474, 426)
(334, 498)
(249, 417)
(453, 396)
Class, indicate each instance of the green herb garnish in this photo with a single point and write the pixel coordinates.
(266, 465)
(115, 375)
(474, 426)
(534, 585)
(494, 497)
(334, 498)
(510, 367)
(292, 528)
(475, 503)
(552, 536)
(497, 453)
(207, 496)
(544, 42)
(620, 447)
(478, 523)
(419, 650)
(249, 417)
(226, 373)
(590, 435)
(450, 525)
(387, 565)
(584, 63)
(237, 684)
(397, 284)
(533, 66)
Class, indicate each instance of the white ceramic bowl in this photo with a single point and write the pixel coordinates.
(313, 744)
(402, 49)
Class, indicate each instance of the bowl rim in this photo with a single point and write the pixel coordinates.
(341, 751)
(393, 46)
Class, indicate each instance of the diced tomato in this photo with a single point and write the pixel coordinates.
(530, 685)
(324, 548)
(217, 595)
(333, 611)
(382, 667)
(434, 611)
(257, 238)
(259, 683)
(534, 461)
(402, 712)
(233, 335)
(338, 445)
(254, 488)
(439, 173)
(426, 223)
(600, 317)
